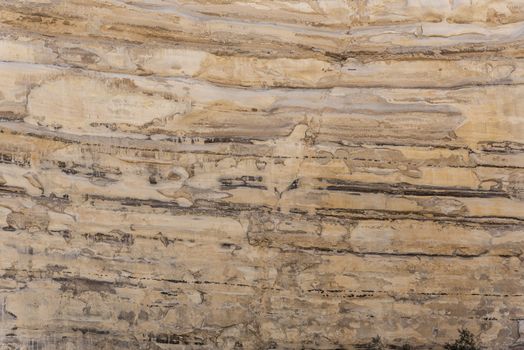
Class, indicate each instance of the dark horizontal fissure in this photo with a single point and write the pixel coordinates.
(409, 189)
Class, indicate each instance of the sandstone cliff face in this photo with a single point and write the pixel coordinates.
(259, 174)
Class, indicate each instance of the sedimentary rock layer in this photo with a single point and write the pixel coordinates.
(260, 174)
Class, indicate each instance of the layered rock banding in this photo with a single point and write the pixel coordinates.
(260, 174)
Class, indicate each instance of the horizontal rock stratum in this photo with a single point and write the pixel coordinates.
(261, 174)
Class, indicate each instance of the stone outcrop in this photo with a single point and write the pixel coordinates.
(260, 174)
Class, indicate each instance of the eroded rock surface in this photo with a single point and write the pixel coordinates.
(260, 174)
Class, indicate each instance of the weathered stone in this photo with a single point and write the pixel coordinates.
(260, 174)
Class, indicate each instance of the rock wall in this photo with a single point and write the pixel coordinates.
(219, 174)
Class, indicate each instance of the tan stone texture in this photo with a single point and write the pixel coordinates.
(261, 174)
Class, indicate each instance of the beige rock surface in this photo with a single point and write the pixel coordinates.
(260, 174)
